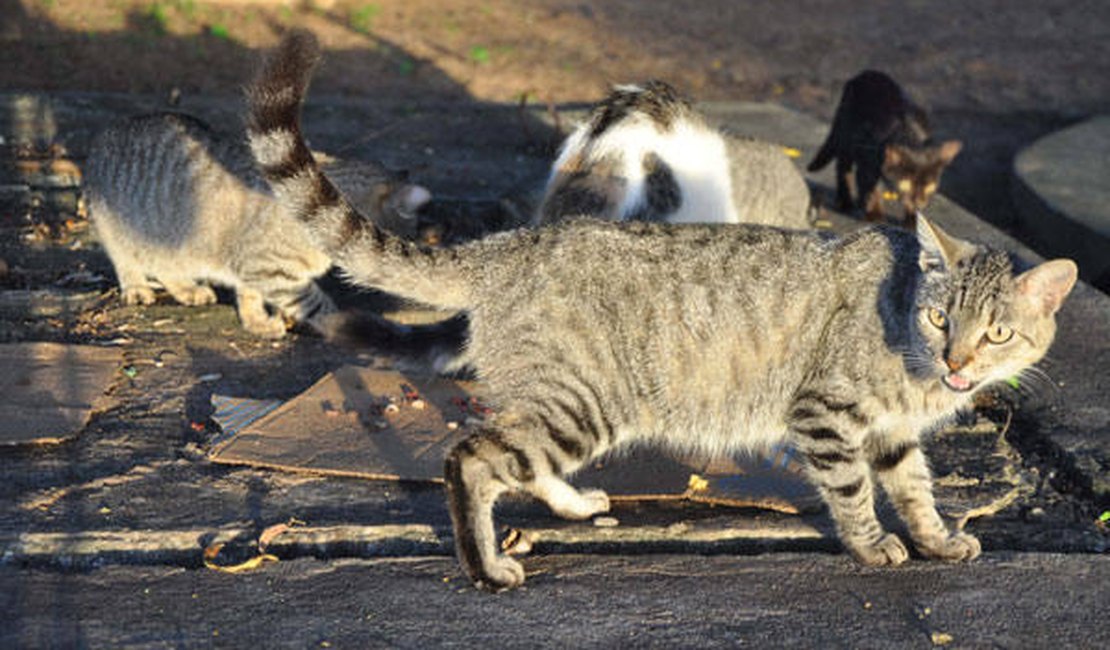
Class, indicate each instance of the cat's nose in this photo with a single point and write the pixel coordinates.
(954, 363)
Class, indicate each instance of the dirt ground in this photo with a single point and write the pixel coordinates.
(994, 73)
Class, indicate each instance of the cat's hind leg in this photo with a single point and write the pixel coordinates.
(253, 314)
(305, 303)
(904, 474)
(478, 471)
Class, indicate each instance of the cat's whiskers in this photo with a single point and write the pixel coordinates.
(1034, 382)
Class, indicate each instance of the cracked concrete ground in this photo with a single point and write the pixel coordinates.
(133, 501)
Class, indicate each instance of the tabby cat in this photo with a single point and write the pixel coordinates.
(645, 153)
(174, 201)
(880, 131)
(592, 336)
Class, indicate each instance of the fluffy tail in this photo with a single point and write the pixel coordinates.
(368, 255)
(436, 347)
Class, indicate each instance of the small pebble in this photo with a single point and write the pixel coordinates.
(391, 409)
(606, 522)
(451, 426)
(419, 404)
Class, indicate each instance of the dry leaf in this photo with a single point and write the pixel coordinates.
(273, 532)
(941, 638)
(249, 565)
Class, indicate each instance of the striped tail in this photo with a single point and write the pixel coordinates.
(368, 255)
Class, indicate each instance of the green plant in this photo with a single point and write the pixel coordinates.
(479, 54)
(362, 18)
(219, 30)
(157, 18)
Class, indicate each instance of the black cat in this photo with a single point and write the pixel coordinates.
(884, 135)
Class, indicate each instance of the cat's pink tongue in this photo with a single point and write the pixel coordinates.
(957, 382)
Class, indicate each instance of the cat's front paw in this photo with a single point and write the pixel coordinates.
(193, 296)
(499, 573)
(137, 295)
(585, 504)
(957, 547)
(889, 550)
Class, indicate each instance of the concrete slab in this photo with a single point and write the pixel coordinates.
(785, 600)
(1061, 188)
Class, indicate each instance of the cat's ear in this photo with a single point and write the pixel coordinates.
(411, 198)
(938, 248)
(1046, 285)
(949, 149)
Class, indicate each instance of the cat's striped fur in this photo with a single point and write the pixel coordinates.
(174, 201)
(592, 336)
(646, 153)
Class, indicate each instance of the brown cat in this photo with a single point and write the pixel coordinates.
(885, 136)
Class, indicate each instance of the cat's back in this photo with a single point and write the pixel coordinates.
(621, 263)
(166, 172)
(879, 105)
(643, 154)
(164, 147)
(766, 186)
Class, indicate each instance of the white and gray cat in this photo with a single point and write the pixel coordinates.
(594, 336)
(175, 202)
(645, 153)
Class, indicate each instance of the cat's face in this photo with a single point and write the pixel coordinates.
(915, 173)
(975, 321)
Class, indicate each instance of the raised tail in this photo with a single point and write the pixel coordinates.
(367, 255)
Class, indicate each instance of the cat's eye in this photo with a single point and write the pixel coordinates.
(998, 334)
(904, 186)
(930, 188)
(938, 318)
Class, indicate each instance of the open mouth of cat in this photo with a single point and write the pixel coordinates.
(958, 383)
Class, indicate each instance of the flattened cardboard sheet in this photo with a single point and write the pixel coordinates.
(49, 390)
(383, 424)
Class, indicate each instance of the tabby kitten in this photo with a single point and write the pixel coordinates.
(880, 131)
(645, 153)
(593, 336)
(174, 201)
